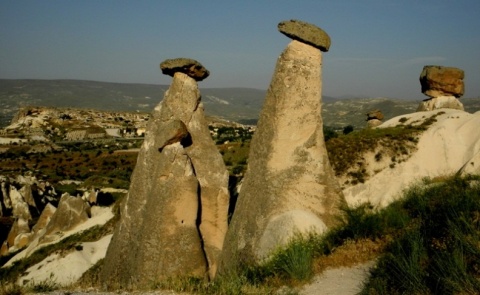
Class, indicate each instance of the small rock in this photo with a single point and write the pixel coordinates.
(306, 33)
(375, 114)
(188, 66)
(373, 123)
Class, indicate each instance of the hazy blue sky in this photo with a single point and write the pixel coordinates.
(379, 47)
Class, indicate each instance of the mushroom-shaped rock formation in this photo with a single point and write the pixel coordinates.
(443, 85)
(190, 67)
(289, 187)
(305, 33)
(374, 118)
(174, 219)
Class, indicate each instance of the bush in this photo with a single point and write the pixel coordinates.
(348, 129)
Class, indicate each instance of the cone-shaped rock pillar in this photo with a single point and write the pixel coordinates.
(289, 186)
(174, 218)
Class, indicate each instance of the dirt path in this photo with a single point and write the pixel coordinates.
(339, 281)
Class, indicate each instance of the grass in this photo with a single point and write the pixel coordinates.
(426, 243)
(438, 252)
(11, 289)
(394, 144)
(346, 152)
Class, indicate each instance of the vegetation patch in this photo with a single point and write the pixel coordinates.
(347, 153)
(438, 252)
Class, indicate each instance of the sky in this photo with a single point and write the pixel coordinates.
(378, 49)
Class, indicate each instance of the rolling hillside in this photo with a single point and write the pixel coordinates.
(236, 104)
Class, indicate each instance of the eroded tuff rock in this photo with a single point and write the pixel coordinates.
(174, 218)
(374, 118)
(289, 186)
(71, 212)
(188, 66)
(441, 102)
(18, 237)
(443, 85)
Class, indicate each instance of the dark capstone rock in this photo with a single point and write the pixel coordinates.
(188, 66)
(375, 115)
(439, 81)
(306, 33)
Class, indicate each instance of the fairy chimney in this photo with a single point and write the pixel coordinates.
(289, 187)
(443, 86)
(174, 218)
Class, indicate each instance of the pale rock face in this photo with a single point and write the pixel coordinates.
(373, 123)
(283, 227)
(6, 196)
(450, 145)
(441, 102)
(44, 219)
(71, 212)
(19, 206)
(174, 217)
(289, 174)
(18, 236)
(26, 192)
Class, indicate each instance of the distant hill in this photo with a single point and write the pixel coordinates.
(236, 104)
(228, 103)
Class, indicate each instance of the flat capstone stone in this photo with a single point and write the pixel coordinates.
(188, 66)
(306, 33)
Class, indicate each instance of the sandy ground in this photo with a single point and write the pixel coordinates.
(339, 281)
(336, 281)
(100, 216)
(65, 270)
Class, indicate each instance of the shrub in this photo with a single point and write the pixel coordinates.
(348, 129)
(10, 289)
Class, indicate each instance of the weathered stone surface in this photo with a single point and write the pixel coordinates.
(373, 123)
(306, 33)
(44, 219)
(71, 212)
(173, 131)
(375, 114)
(442, 81)
(441, 102)
(289, 186)
(188, 66)
(174, 218)
(26, 192)
(16, 236)
(19, 206)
